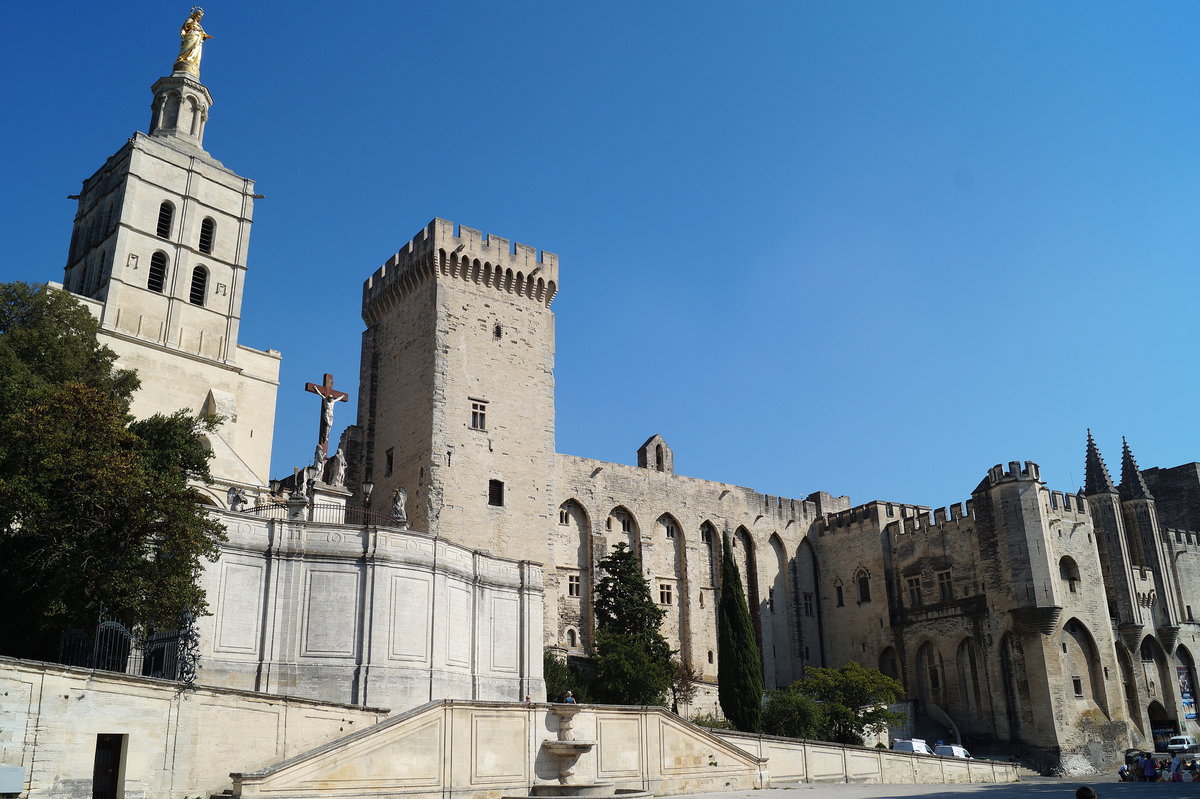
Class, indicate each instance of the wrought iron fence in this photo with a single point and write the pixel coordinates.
(325, 513)
(111, 646)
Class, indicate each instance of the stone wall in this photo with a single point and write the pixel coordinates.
(675, 523)
(368, 616)
(789, 759)
(176, 741)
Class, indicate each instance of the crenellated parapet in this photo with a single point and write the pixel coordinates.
(1015, 471)
(1067, 505)
(955, 518)
(869, 517)
(463, 253)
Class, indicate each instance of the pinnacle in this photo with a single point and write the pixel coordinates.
(1133, 485)
(1097, 479)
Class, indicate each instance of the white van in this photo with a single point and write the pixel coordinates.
(916, 745)
(952, 750)
(1183, 744)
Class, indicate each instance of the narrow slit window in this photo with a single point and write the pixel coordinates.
(199, 286)
(166, 214)
(157, 277)
(208, 229)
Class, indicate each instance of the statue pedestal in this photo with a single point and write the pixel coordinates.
(329, 502)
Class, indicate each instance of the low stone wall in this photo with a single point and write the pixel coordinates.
(175, 741)
(816, 761)
(485, 750)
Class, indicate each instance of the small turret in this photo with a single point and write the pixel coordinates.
(1097, 479)
(1133, 485)
(656, 455)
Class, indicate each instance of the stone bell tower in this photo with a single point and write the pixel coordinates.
(159, 254)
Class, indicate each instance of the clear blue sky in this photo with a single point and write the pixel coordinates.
(865, 248)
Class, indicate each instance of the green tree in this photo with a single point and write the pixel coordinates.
(739, 670)
(95, 509)
(633, 660)
(561, 677)
(793, 715)
(854, 700)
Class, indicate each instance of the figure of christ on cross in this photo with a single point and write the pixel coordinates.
(329, 395)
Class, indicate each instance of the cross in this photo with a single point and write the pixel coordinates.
(329, 395)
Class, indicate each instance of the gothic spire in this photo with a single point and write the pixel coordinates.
(1133, 485)
(1096, 479)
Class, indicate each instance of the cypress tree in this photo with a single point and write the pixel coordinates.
(739, 670)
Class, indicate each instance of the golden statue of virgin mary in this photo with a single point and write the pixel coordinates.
(191, 43)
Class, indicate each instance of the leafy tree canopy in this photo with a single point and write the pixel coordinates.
(791, 714)
(633, 660)
(95, 508)
(853, 699)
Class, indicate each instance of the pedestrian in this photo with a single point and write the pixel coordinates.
(570, 700)
(1177, 768)
(1149, 770)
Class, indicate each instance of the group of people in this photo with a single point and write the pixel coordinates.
(1146, 769)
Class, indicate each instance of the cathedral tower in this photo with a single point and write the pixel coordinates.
(456, 399)
(158, 253)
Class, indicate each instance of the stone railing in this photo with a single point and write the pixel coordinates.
(793, 760)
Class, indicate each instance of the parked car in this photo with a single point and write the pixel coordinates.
(916, 745)
(951, 750)
(1183, 744)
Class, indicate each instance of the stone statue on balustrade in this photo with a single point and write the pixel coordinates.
(399, 500)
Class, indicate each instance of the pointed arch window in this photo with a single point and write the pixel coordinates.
(199, 286)
(208, 230)
(166, 215)
(157, 277)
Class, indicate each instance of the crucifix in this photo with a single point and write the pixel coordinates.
(329, 395)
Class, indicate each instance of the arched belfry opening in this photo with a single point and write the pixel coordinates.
(656, 455)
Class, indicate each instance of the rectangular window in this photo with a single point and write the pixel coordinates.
(808, 604)
(914, 592)
(1189, 612)
(945, 587)
(564, 516)
(670, 527)
(864, 588)
(841, 599)
(495, 492)
(572, 585)
(626, 524)
(478, 415)
(389, 459)
(1077, 684)
(706, 536)
(664, 593)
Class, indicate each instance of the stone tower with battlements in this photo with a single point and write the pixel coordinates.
(159, 254)
(456, 399)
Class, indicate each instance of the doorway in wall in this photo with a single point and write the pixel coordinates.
(106, 773)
